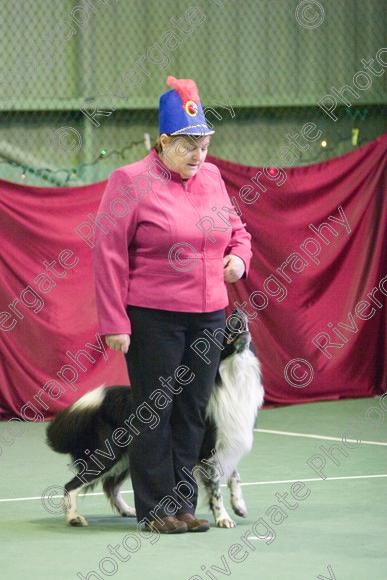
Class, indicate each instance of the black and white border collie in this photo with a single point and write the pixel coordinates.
(86, 428)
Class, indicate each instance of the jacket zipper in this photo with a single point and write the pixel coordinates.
(204, 304)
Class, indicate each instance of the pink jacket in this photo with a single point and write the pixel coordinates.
(160, 242)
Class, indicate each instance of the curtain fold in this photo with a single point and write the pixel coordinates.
(315, 294)
(319, 250)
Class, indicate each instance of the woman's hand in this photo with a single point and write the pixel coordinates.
(234, 268)
(118, 342)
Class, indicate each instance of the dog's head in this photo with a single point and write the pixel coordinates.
(238, 337)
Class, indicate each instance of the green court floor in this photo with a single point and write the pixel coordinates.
(332, 528)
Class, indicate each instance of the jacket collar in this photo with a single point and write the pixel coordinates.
(175, 176)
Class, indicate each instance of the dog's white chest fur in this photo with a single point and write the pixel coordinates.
(234, 405)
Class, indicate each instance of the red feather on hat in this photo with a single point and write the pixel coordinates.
(186, 88)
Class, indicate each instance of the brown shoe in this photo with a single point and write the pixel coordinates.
(169, 525)
(193, 523)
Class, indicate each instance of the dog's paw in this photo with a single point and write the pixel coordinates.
(240, 508)
(225, 523)
(128, 512)
(77, 521)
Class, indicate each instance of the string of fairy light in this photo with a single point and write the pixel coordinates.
(65, 176)
(49, 174)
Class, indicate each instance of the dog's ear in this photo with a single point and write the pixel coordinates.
(237, 322)
(233, 321)
(239, 313)
(243, 316)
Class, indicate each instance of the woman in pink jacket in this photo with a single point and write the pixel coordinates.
(168, 241)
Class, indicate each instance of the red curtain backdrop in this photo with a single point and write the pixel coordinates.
(318, 335)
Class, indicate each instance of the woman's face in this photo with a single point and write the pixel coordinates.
(185, 154)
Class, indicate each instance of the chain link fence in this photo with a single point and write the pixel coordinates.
(284, 82)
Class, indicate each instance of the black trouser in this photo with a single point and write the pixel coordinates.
(164, 451)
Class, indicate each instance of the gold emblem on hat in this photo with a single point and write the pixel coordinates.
(191, 108)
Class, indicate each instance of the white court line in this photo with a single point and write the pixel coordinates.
(291, 434)
(56, 496)
(312, 479)
(39, 497)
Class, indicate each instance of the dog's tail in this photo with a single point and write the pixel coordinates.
(66, 433)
